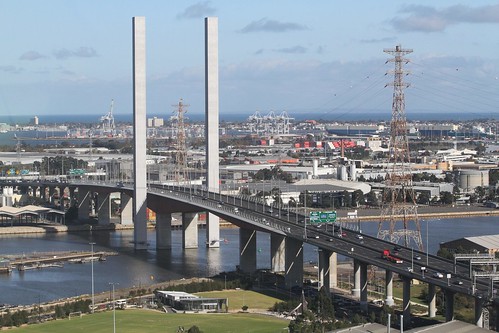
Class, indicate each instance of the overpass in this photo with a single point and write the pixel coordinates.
(288, 233)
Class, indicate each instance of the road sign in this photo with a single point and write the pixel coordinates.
(323, 217)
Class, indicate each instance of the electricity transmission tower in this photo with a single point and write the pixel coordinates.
(399, 210)
(181, 150)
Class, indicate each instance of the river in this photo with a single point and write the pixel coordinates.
(143, 268)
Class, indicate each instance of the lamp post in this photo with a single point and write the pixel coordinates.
(427, 243)
(92, 264)
(114, 307)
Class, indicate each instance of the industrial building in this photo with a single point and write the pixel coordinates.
(480, 244)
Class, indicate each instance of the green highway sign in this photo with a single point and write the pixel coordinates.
(323, 217)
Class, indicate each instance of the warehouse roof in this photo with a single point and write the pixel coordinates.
(486, 241)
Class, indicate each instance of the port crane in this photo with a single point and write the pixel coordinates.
(107, 121)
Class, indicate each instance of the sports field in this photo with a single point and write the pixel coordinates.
(238, 298)
(137, 321)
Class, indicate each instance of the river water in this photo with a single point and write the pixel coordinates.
(142, 268)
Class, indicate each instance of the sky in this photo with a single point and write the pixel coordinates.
(317, 57)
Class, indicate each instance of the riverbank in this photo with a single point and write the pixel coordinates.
(424, 212)
(44, 228)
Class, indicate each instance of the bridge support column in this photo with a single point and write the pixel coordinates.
(294, 263)
(247, 250)
(406, 307)
(449, 305)
(389, 288)
(126, 208)
(61, 198)
(356, 279)
(277, 251)
(190, 230)
(333, 268)
(163, 231)
(478, 312)
(325, 269)
(363, 287)
(104, 208)
(51, 194)
(212, 230)
(71, 196)
(84, 200)
(432, 301)
(496, 310)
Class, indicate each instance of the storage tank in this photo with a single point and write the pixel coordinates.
(342, 173)
(468, 180)
(315, 170)
(353, 172)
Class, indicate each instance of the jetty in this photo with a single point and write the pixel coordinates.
(52, 259)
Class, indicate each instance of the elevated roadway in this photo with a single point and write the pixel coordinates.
(250, 213)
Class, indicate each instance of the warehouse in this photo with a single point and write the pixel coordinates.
(481, 244)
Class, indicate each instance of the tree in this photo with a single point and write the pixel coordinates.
(480, 192)
(372, 198)
(326, 308)
(446, 198)
(347, 199)
(358, 198)
(194, 329)
(424, 198)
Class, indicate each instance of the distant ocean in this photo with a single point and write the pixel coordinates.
(329, 116)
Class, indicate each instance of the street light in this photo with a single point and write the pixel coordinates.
(114, 307)
(427, 242)
(92, 264)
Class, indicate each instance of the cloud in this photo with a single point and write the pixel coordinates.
(429, 19)
(11, 69)
(82, 52)
(379, 40)
(294, 49)
(200, 9)
(32, 55)
(271, 26)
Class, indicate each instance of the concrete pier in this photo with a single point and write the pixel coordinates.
(294, 263)
(363, 287)
(247, 250)
(432, 301)
(356, 279)
(126, 208)
(406, 302)
(277, 252)
(84, 199)
(389, 288)
(163, 231)
(190, 230)
(478, 312)
(104, 209)
(449, 305)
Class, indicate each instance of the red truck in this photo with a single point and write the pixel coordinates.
(388, 256)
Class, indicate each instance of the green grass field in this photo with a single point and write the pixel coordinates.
(137, 321)
(238, 298)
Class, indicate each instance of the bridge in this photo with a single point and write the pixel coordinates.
(288, 233)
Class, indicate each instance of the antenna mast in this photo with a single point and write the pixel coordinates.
(399, 209)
